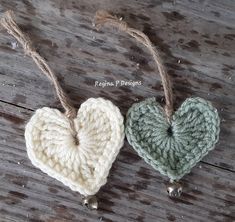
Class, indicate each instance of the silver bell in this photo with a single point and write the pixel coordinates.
(90, 202)
(174, 189)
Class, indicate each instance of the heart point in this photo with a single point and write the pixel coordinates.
(80, 154)
(173, 148)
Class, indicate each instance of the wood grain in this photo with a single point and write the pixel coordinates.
(196, 39)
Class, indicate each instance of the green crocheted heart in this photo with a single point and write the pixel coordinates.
(173, 148)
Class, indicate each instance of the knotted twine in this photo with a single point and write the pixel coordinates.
(103, 17)
(13, 29)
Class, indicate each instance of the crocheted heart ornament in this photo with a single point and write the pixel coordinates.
(171, 142)
(76, 147)
(173, 148)
(83, 167)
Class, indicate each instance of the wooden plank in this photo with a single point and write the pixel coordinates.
(134, 192)
(196, 40)
(200, 62)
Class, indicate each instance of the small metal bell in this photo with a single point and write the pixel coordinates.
(174, 189)
(90, 202)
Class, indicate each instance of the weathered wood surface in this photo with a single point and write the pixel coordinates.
(196, 39)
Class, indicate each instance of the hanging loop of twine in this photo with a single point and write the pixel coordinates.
(103, 17)
(13, 29)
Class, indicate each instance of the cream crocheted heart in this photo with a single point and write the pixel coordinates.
(83, 167)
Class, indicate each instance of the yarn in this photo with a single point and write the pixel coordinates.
(74, 147)
(173, 148)
(83, 167)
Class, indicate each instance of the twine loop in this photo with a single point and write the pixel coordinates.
(13, 29)
(103, 17)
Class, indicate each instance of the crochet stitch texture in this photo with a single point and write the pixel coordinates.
(83, 167)
(173, 148)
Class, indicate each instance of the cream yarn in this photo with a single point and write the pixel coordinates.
(83, 167)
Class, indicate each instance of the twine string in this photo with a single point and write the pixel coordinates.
(103, 17)
(13, 29)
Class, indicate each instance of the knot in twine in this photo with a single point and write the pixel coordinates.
(13, 29)
(103, 17)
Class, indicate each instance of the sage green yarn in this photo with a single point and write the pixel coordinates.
(173, 148)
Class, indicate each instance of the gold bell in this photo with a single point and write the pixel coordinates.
(90, 202)
(174, 189)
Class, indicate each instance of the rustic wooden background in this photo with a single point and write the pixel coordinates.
(197, 41)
